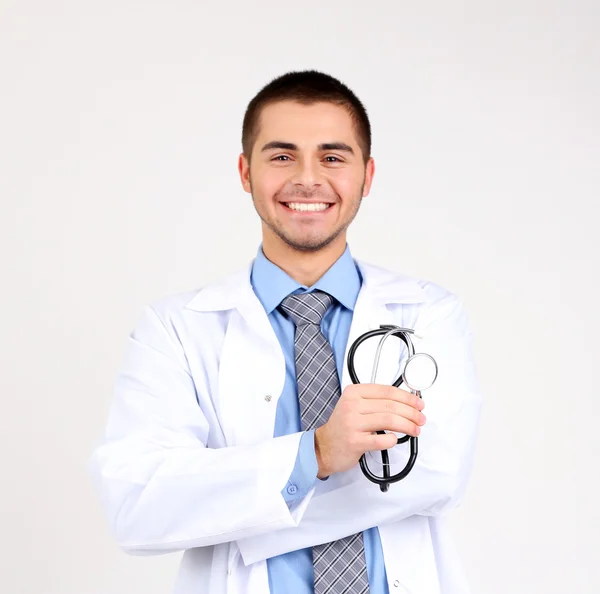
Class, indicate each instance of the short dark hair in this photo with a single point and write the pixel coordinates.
(307, 87)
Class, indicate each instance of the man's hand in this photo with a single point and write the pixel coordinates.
(361, 410)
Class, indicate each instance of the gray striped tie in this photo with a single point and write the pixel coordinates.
(340, 566)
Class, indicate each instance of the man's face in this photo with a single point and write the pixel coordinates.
(307, 175)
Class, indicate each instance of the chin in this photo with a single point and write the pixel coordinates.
(309, 245)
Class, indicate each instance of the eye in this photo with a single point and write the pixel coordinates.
(278, 157)
(333, 157)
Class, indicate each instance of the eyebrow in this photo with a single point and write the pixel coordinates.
(290, 146)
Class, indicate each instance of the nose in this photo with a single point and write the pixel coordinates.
(306, 174)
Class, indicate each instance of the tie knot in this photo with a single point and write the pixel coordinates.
(307, 308)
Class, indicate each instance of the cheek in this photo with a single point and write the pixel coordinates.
(347, 187)
(348, 176)
(267, 183)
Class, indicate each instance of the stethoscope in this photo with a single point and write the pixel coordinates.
(420, 372)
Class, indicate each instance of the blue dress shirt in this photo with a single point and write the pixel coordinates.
(293, 571)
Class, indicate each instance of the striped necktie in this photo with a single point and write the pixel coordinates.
(339, 566)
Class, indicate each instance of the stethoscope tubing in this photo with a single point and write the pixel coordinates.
(404, 334)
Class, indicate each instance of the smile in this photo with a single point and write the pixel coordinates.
(307, 207)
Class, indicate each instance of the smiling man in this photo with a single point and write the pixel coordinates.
(235, 433)
(309, 175)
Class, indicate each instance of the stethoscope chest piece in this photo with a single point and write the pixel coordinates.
(419, 373)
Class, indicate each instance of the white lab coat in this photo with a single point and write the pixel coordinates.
(189, 461)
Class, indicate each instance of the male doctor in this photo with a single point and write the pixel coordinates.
(234, 432)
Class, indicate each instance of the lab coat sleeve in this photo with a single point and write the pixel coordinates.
(162, 488)
(349, 503)
(305, 471)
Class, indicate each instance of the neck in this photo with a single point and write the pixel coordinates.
(305, 267)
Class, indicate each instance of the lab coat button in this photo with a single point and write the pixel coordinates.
(268, 397)
(292, 489)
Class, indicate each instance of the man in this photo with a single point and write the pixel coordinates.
(235, 433)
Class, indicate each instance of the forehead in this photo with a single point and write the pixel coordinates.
(296, 122)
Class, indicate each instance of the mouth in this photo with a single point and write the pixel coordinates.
(307, 207)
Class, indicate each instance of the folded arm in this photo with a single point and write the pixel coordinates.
(349, 503)
(162, 489)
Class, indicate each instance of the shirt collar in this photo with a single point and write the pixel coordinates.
(271, 284)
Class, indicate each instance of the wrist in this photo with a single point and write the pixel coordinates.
(320, 452)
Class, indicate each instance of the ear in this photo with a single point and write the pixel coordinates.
(244, 171)
(369, 173)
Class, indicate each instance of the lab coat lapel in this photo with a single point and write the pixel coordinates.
(368, 315)
(380, 288)
(251, 376)
(252, 365)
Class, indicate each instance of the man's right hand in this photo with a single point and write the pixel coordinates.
(361, 410)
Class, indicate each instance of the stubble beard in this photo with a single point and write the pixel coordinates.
(310, 244)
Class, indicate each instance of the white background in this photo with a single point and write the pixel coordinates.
(120, 127)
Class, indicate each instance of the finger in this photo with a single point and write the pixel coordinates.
(387, 422)
(384, 441)
(391, 393)
(374, 405)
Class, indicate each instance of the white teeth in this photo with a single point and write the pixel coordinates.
(303, 206)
